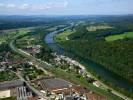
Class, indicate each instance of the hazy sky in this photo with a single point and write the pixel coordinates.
(65, 7)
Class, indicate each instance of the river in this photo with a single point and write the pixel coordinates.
(97, 68)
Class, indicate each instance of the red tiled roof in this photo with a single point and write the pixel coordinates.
(93, 96)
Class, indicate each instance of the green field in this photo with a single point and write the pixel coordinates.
(119, 37)
(63, 36)
(5, 36)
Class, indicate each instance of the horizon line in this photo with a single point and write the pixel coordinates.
(64, 15)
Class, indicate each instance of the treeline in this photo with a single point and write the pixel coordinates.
(4, 47)
(14, 22)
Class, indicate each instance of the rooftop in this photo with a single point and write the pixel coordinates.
(55, 83)
(11, 84)
(94, 96)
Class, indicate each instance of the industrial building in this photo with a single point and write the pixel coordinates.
(17, 89)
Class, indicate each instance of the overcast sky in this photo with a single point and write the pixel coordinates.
(65, 7)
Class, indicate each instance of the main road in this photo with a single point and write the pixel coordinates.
(38, 62)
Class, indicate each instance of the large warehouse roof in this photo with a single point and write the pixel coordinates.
(55, 83)
(11, 84)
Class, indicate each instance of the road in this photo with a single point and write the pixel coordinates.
(43, 65)
(31, 87)
(38, 62)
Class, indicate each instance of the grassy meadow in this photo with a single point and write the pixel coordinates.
(63, 36)
(119, 36)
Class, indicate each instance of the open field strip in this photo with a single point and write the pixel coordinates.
(63, 36)
(99, 27)
(119, 36)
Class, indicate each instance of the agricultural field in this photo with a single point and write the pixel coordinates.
(64, 36)
(54, 28)
(4, 36)
(99, 27)
(125, 35)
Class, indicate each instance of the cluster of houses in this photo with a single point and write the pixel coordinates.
(76, 65)
(33, 49)
(71, 62)
(8, 64)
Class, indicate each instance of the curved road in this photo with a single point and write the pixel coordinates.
(42, 64)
